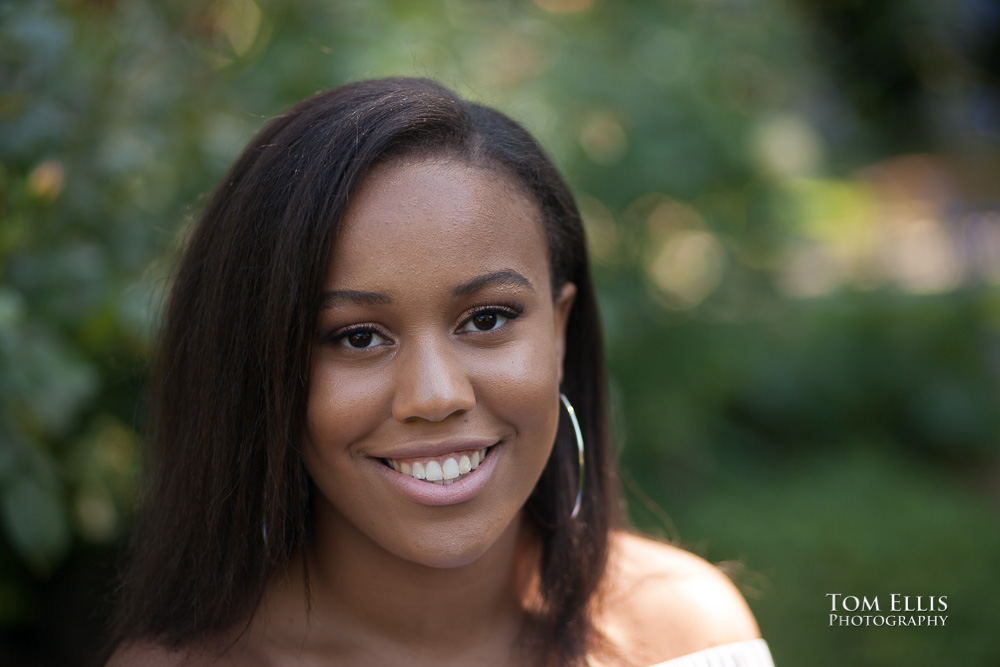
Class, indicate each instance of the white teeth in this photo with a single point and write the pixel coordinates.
(433, 471)
(442, 474)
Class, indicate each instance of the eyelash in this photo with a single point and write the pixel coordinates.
(509, 310)
(339, 336)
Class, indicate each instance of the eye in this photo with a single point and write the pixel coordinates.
(488, 319)
(361, 338)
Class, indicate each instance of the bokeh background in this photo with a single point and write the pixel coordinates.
(795, 219)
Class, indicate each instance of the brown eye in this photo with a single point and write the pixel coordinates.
(485, 321)
(361, 339)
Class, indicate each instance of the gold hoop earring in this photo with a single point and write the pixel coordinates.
(579, 451)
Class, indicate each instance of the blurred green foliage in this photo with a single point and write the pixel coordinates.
(802, 315)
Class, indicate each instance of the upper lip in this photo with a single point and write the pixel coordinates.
(416, 450)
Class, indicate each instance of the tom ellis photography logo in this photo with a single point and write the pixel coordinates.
(896, 610)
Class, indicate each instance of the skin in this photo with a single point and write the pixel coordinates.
(414, 235)
(395, 581)
(439, 322)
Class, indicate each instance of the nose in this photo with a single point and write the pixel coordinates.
(432, 384)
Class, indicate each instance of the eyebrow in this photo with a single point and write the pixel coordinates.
(357, 297)
(502, 278)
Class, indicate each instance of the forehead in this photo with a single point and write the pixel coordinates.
(435, 219)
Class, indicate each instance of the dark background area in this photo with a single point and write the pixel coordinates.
(795, 220)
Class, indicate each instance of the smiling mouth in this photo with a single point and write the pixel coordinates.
(441, 470)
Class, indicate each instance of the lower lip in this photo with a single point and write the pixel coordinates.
(436, 495)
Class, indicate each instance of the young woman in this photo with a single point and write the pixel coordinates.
(379, 420)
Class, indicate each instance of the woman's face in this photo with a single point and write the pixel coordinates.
(438, 338)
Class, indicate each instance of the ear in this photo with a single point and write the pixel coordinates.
(560, 313)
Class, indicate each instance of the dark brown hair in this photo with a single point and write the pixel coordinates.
(231, 377)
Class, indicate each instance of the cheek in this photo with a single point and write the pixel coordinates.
(526, 369)
(517, 383)
(343, 405)
(521, 387)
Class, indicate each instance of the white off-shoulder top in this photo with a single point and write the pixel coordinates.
(751, 653)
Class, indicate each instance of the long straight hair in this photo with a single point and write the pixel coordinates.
(231, 372)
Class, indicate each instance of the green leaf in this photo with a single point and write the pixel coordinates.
(35, 522)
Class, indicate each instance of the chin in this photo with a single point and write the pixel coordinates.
(451, 547)
(446, 560)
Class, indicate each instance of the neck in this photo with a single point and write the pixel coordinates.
(361, 596)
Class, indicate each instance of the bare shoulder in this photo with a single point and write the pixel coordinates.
(661, 602)
(151, 654)
(147, 653)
